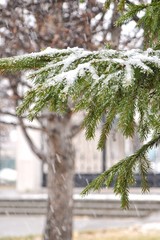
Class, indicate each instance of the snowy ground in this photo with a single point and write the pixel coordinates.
(11, 225)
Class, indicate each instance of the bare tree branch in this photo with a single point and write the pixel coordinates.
(41, 116)
(35, 150)
(135, 18)
(18, 124)
(8, 113)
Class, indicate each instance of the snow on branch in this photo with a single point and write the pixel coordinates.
(85, 77)
(121, 85)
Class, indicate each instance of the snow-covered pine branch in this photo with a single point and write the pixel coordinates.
(122, 84)
(98, 82)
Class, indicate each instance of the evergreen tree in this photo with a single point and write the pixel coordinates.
(105, 82)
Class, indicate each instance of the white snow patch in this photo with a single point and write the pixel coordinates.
(3, 3)
(29, 19)
(68, 69)
(129, 74)
(132, 197)
(8, 175)
(146, 227)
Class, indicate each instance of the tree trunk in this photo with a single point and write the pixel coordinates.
(60, 182)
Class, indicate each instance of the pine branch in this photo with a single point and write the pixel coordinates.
(29, 61)
(120, 5)
(15, 124)
(130, 14)
(34, 148)
(121, 84)
(104, 82)
(149, 22)
(122, 174)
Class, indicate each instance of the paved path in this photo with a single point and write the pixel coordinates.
(32, 225)
(135, 194)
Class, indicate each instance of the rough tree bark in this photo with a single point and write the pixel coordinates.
(60, 179)
(60, 203)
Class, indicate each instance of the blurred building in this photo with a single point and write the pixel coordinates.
(31, 173)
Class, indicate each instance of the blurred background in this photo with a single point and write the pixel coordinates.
(29, 26)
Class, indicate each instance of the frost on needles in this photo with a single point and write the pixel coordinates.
(118, 84)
